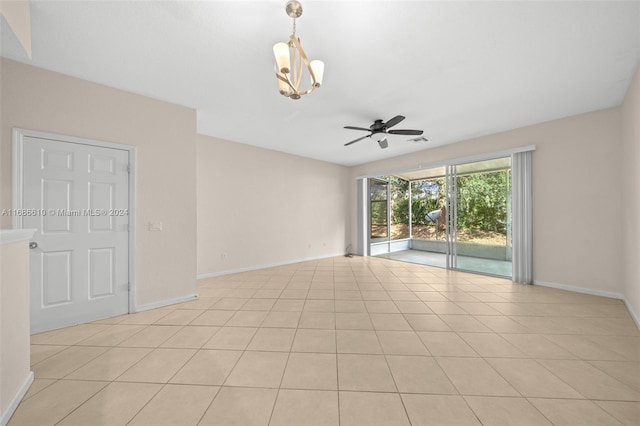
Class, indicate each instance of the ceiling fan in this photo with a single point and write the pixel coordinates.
(379, 126)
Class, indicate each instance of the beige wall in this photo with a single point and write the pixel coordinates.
(165, 138)
(631, 194)
(15, 354)
(263, 207)
(576, 180)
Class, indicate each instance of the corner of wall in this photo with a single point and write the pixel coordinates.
(630, 158)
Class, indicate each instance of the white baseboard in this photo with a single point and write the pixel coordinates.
(576, 289)
(8, 412)
(271, 265)
(593, 292)
(633, 314)
(166, 302)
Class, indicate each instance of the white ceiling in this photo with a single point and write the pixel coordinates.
(455, 69)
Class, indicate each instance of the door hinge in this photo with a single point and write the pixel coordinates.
(128, 168)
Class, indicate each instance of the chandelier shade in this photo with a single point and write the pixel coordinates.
(283, 60)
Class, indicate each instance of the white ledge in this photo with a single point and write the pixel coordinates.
(11, 236)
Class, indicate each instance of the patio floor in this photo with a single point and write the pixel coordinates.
(466, 263)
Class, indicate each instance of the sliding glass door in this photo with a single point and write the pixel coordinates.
(479, 217)
(456, 216)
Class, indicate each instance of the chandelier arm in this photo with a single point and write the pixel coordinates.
(298, 74)
(306, 92)
(285, 79)
(303, 57)
(296, 61)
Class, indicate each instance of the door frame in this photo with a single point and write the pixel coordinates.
(17, 186)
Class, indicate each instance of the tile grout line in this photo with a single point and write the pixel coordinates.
(245, 284)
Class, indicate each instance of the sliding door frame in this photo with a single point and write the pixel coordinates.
(451, 174)
(451, 223)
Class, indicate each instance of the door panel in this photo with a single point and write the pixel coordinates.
(101, 198)
(102, 164)
(56, 283)
(57, 160)
(101, 271)
(80, 269)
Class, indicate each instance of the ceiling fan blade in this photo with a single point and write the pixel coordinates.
(356, 140)
(357, 128)
(405, 132)
(395, 120)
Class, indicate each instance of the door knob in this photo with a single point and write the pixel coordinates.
(33, 245)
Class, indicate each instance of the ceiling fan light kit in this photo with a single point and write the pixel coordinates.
(292, 61)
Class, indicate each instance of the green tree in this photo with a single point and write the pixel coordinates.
(424, 195)
(482, 201)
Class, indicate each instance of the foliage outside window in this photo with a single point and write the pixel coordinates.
(398, 194)
(482, 201)
(378, 206)
(427, 196)
(482, 207)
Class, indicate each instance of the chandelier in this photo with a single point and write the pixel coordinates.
(291, 61)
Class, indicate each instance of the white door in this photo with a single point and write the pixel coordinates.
(77, 197)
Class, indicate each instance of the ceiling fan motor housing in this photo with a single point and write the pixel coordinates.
(378, 126)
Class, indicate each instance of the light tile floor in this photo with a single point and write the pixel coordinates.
(346, 341)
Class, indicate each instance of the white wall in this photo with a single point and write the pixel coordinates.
(631, 195)
(263, 207)
(576, 180)
(15, 355)
(165, 137)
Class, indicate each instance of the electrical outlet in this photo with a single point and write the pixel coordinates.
(155, 226)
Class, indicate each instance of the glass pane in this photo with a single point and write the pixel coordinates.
(399, 205)
(482, 208)
(428, 209)
(378, 209)
(484, 217)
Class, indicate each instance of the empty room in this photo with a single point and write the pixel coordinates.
(319, 213)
